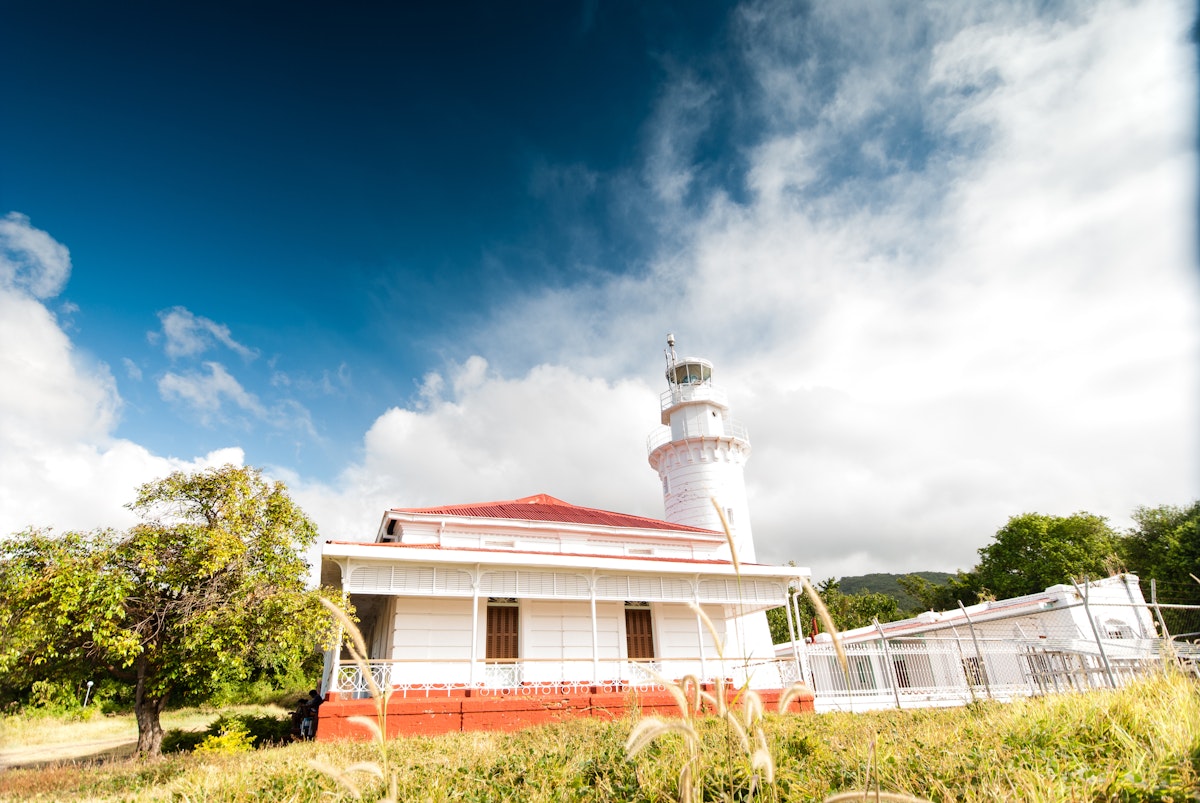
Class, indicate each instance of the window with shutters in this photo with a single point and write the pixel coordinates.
(639, 632)
(503, 629)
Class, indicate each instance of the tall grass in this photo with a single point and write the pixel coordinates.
(1141, 742)
(745, 769)
(1137, 743)
(22, 731)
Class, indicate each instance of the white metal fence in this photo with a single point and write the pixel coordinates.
(1074, 647)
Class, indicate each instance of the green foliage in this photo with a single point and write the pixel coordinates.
(963, 586)
(57, 697)
(1165, 545)
(848, 611)
(207, 590)
(228, 732)
(892, 585)
(1032, 552)
(233, 738)
(1028, 554)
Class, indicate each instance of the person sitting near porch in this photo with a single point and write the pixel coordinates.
(308, 726)
(298, 717)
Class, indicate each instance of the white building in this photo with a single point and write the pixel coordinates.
(539, 593)
(1064, 638)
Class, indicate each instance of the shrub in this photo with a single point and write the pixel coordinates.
(233, 738)
(230, 733)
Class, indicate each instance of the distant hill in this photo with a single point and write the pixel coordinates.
(888, 584)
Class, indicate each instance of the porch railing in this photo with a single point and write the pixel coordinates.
(431, 678)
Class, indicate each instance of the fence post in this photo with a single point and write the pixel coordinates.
(1166, 634)
(1112, 682)
(887, 656)
(987, 684)
(962, 662)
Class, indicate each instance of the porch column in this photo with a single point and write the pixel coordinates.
(595, 630)
(474, 622)
(805, 669)
(787, 607)
(335, 670)
(699, 628)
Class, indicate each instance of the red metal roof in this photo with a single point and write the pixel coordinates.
(543, 507)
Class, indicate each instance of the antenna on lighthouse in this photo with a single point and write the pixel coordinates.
(670, 353)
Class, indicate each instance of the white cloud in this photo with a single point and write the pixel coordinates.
(132, 370)
(551, 431)
(62, 468)
(1034, 345)
(683, 113)
(30, 259)
(921, 344)
(204, 391)
(1007, 323)
(187, 334)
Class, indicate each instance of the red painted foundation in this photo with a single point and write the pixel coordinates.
(471, 710)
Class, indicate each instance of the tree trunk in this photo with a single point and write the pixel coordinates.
(148, 710)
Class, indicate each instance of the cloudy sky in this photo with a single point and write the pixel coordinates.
(943, 256)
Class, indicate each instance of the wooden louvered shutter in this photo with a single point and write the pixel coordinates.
(503, 627)
(639, 634)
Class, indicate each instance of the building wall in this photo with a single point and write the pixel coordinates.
(431, 629)
(556, 638)
(696, 472)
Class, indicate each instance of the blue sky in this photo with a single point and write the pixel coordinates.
(322, 183)
(944, 257)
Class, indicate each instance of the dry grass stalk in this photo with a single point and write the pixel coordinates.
(377, 727)
(889, 797)
(827, 621)
(744, 726)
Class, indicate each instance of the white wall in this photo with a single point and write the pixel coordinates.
(556, 638)
(431, 629)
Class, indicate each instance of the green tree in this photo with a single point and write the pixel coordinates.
(1032, 552)
(208, 588)
(933, 596)
(848, 611)
(1165, 546)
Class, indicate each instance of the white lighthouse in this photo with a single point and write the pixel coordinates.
(700, 453)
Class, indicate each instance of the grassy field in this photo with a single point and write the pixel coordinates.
(31, 731)
(1140, 743)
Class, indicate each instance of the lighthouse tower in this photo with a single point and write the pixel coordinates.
(700, 453)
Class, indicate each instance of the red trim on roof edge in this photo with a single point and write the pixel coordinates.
(543, 507)
(441, 548)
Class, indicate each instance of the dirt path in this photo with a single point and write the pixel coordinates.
(43, 754)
